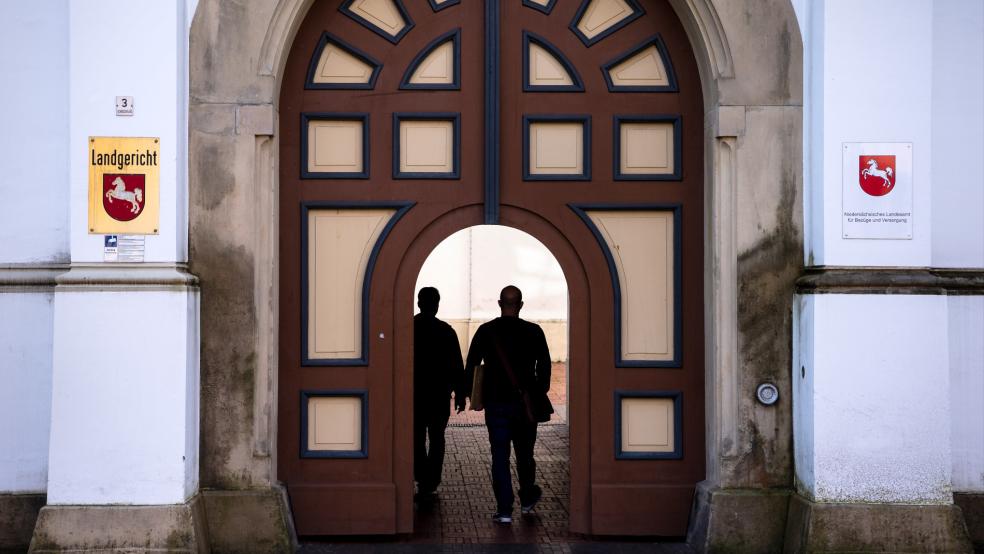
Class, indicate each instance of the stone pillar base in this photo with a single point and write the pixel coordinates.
(18, 513)
(175, 528)
(738, 520)
(822, 527)
(972, 506)
(249, 521)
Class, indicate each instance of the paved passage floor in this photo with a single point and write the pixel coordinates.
(458, 518)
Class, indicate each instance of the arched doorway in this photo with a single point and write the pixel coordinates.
(469, 269)
(579, 124)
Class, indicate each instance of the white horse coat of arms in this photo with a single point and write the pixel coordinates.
(123, 195)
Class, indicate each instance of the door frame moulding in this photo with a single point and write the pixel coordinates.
(250, 145)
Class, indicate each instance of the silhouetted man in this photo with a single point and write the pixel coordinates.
(522, 345)
(437, 371)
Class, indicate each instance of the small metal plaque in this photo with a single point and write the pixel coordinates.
(111, 248)
(877, 190)
(131, 248)
(124, 105)
(124, 185)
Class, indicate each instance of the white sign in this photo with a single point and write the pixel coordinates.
(111, 248)
(131, 248)
(877, 201)
(124, 105)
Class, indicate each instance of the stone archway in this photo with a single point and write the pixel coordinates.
(750, 58)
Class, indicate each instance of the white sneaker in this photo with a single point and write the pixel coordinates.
(499, 517)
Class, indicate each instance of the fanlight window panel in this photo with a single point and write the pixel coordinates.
(387, 18)
(545, 68)
(437, 66)
(438, 5)
(597, 19)
(337, 65)
(645, 68)
(545, 6)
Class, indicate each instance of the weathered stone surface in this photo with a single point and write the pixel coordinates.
(817, 527)
(175, 529)
(247, 522)
(738, 520)
(770, 258)
(767, 50)
(18, 512)
(218, 119)
(234, 58)
(222, 254)
(972, 506)
(226, 42)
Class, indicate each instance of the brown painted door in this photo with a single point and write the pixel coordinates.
(577, 122)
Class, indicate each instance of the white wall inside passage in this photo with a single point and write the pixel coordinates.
(471, 267)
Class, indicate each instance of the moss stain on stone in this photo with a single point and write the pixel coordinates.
(767, 273)
(228, 361)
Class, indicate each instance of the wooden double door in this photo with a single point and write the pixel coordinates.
(576, 121)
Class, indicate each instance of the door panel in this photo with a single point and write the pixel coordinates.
(631, 194)
(384, 132)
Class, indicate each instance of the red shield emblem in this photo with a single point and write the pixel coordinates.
(876, 174)
(123, 195)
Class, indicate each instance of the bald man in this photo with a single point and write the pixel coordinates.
(520, 344)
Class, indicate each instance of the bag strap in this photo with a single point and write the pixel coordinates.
(505, 363)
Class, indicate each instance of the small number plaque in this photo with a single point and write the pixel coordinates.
(124, 105)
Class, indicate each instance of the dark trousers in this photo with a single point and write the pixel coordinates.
(428, 463)
(507, 424)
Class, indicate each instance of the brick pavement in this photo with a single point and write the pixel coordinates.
(458, 519)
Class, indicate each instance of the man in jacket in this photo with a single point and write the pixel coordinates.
(437, 371)
(507, 345)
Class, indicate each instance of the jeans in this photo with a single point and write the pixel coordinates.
(507, 424)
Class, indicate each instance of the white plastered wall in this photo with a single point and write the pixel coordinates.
(872, 393)
(125, 384)
(892, 71)
(958, 224)
(25, 390)
(124, 421)
(34, 111)
(868, 76)
(33, 227)
(138, 49)
(958, 133)
(966, 327)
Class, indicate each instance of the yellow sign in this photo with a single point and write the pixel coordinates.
(124, 185)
